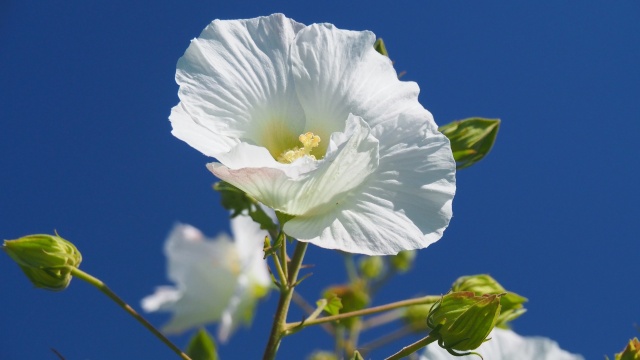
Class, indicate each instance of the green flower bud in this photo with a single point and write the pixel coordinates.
(471, 139)
(512, 303)
(462, 321)
(403, 261)
(354, 297)
(415, 316)
(631, 352)
(371, 267)
(47, 260)
(322, 355)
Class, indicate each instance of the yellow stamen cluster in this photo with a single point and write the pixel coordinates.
(309, 141)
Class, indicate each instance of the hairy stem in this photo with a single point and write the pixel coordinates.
(103, 287)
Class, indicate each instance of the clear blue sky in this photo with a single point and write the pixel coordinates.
(86, 149)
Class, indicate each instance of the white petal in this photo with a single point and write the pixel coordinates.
(205, 273)
(164, 299)
(405, 204)
(507, 345)
(249, 240)
(235, 82)
(240, 309)
(338, 72)
(188, 252)
(351, 158)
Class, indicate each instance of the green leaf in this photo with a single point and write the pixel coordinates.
(357, 356)
(379, 46)
(202, 347)
(333, 304)
(471, 139)
(236, 201)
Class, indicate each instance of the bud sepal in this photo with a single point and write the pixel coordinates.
(47, 260)
(462, 321)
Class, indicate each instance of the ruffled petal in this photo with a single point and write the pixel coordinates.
(205, 273)
(507, 345)
(405, 204)
(320, 186)
(338, 72)
(236, 83)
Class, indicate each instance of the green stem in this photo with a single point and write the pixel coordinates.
(278, 329)
(382, 319)
(410, 349)
(350, 265)
(365, 349)
(103, 287)
(297, 326)
(307, 308)
(283, 254)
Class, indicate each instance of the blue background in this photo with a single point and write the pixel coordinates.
(86, 149)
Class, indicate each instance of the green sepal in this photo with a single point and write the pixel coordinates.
(332, 305)
(354, 297)
(630, 352)
(481, 284)
(471, 139)
(47, 260)
(379, 46)
(237, 201)
(462, 321)
(202, 346)
(357, 356)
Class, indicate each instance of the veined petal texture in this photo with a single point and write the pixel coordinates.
(379, 177)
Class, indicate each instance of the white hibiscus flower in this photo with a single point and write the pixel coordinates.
(507, 345)
(217, 280)
(314, 123)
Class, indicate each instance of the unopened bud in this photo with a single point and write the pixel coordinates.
(512, 303)
(322, 355)
(462, 321)
(47, 260)
(415, 316)
(631, 352)
(353, 297)
(371, 267)
(403, 261)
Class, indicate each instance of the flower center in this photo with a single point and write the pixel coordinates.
(309, 141)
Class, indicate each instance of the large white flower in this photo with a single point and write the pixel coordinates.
(314, 123)
(507, 345)
(217, 280)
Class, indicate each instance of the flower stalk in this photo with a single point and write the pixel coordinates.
(410, 349)
(297, 326)
(288, 283)
(105, 289)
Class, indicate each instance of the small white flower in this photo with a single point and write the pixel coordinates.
(217, 280)
(314, 123)
(507, 345)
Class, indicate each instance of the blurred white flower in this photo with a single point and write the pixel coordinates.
(217, 280)
(507, 345)
(314, 123)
